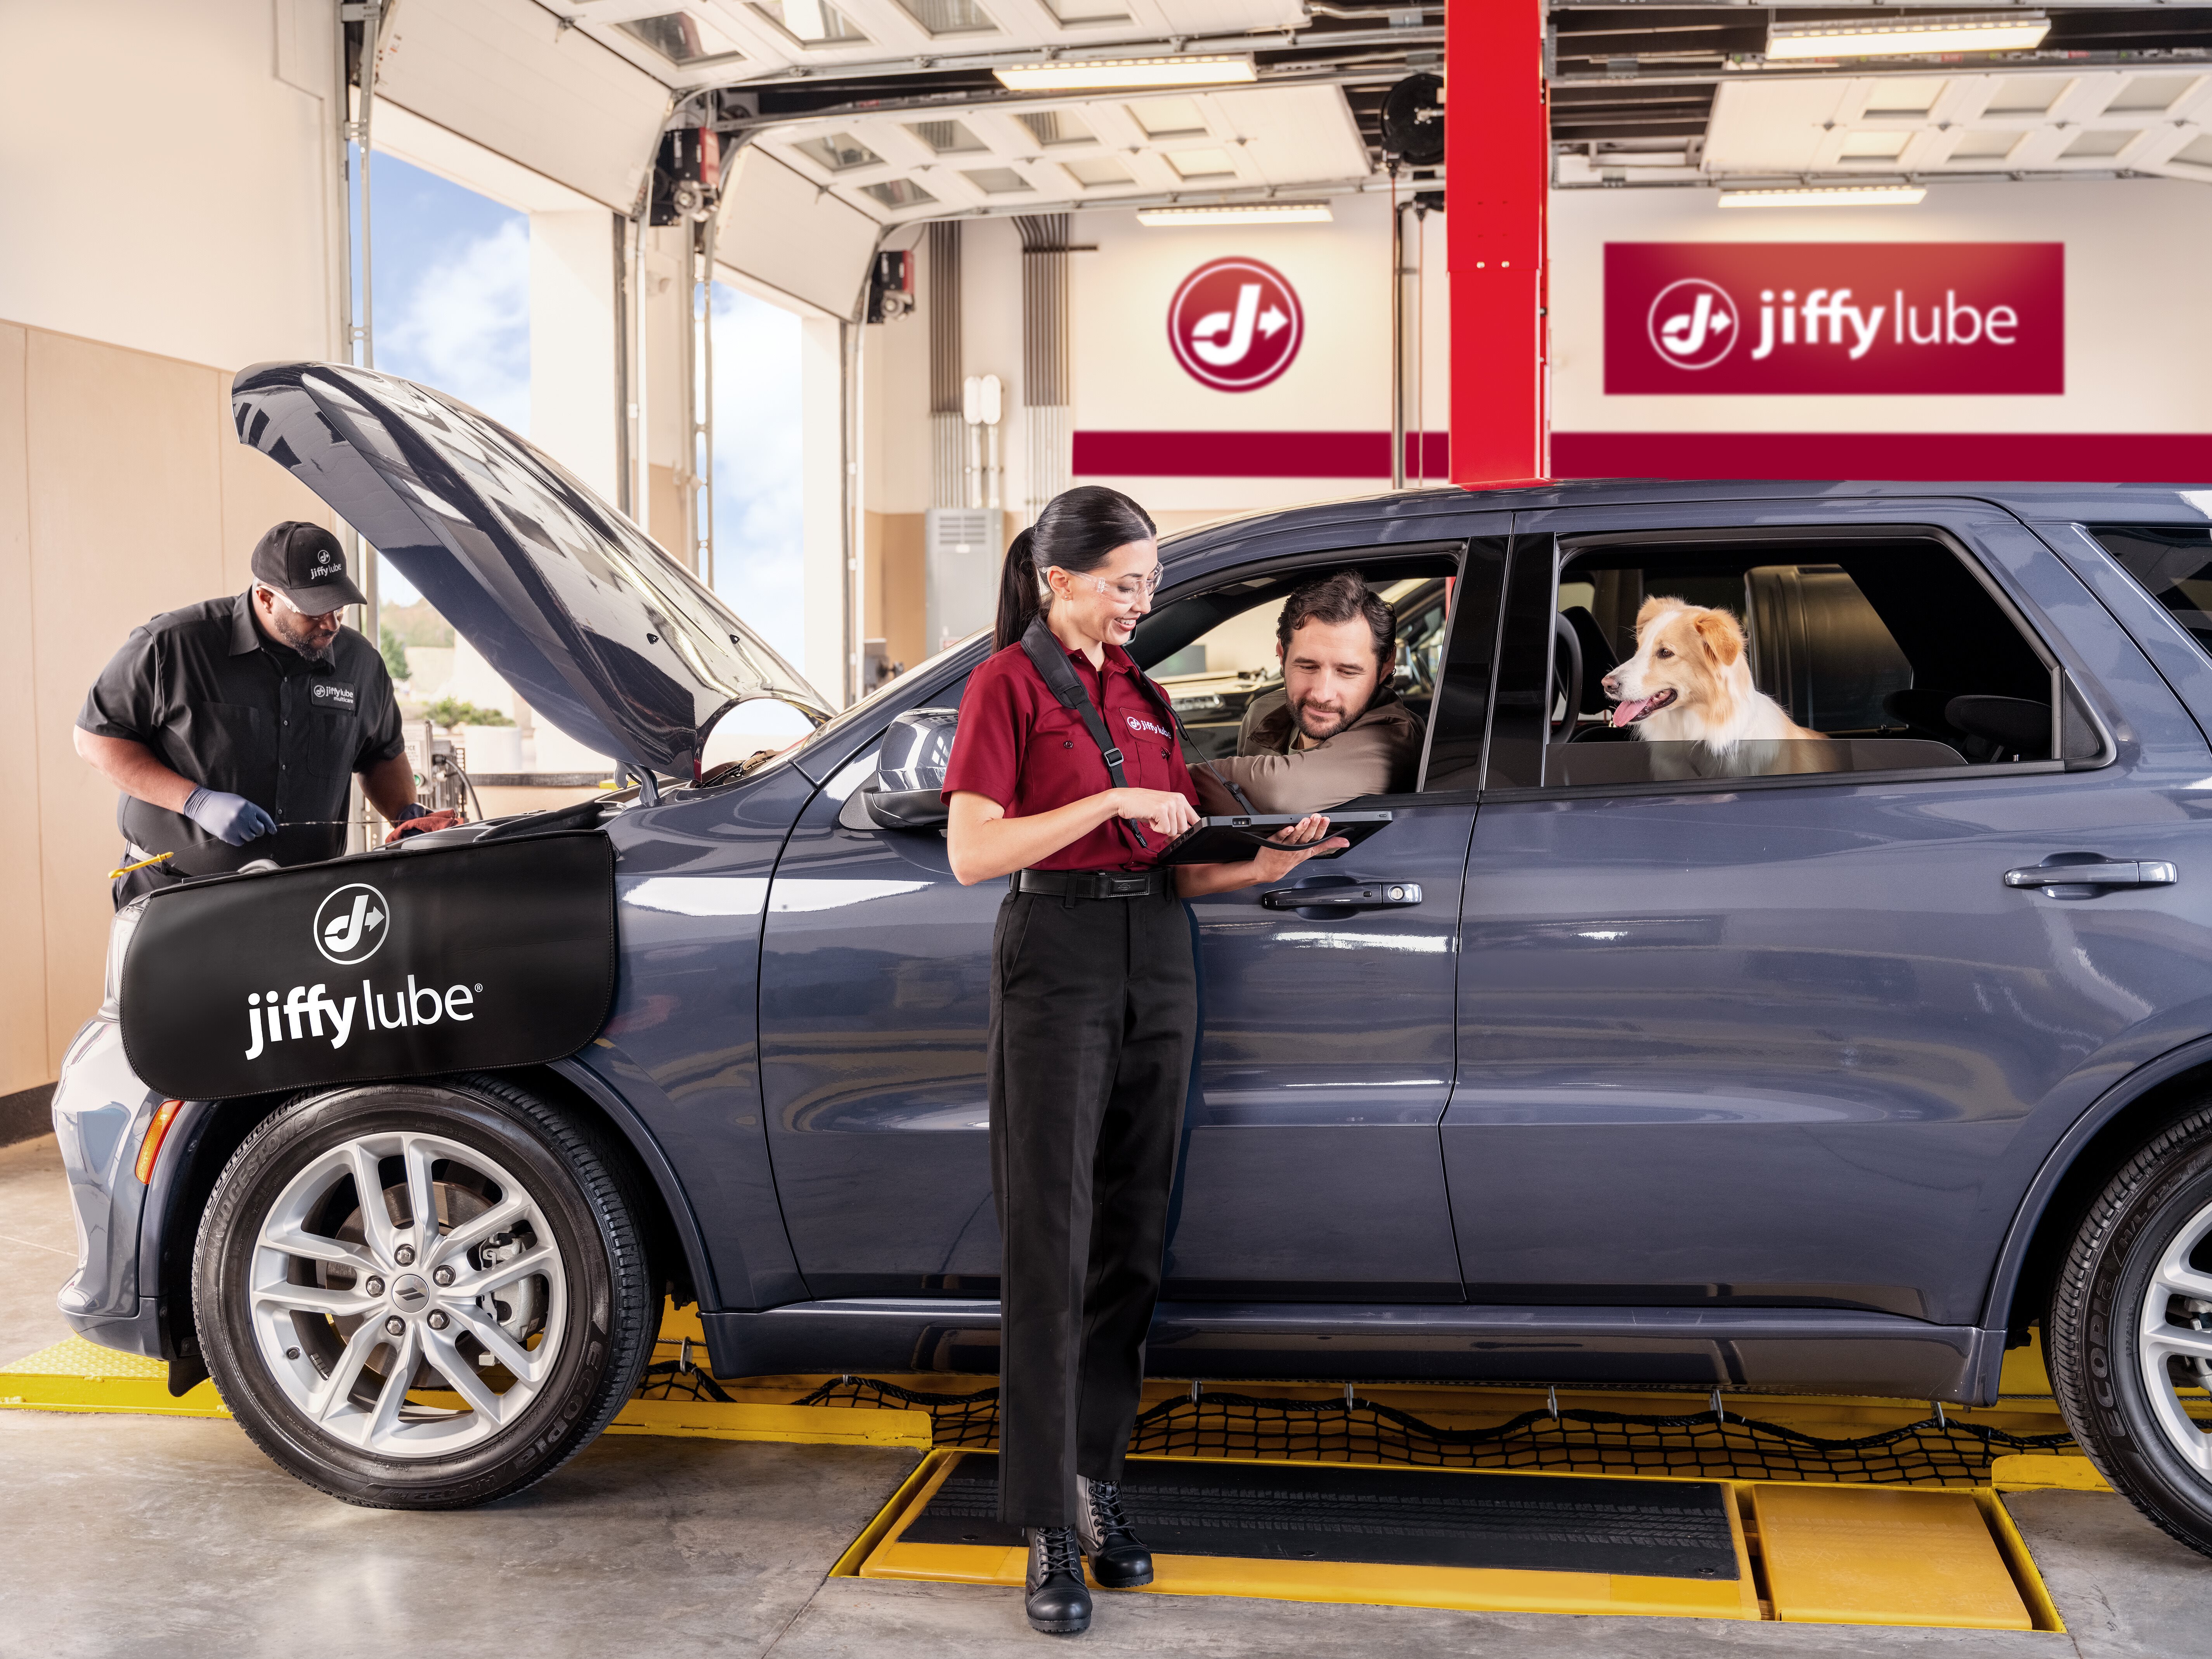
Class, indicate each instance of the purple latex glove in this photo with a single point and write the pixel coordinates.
(229, 818)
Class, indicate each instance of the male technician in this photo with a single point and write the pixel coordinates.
(1337, 729)
(232, 727)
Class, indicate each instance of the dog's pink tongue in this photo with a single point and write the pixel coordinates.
(1625, 713)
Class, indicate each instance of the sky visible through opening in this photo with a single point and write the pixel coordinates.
(452, 311)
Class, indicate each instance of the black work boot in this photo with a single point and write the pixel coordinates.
(1119, 1559)
(1059, 1601)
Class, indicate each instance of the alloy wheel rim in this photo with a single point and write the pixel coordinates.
(408, 1295)
(2176, 1325)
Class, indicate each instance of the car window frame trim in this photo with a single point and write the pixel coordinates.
(1565, 544)
(1452, 547)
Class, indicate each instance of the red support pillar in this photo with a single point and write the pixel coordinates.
(1497, 168)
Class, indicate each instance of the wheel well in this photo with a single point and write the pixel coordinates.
(229, 1122)
(2092, 1167)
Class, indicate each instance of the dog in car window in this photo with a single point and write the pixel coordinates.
(1690, 682)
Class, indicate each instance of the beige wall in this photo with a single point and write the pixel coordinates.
(895, 592)
(123, 492)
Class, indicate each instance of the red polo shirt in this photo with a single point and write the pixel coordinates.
(1017, 745)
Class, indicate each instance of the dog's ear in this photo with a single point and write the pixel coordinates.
(1658, 605)
(1722, 639)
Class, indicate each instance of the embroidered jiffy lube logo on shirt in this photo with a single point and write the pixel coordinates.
(1138, 725)
(330, 695)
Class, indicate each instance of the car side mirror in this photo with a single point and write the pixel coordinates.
(905, 792)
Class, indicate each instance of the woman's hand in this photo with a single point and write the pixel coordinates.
(1274, 861)
(1159, 809)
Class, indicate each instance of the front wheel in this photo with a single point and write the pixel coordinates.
(418, 1296)
(2130, 1331)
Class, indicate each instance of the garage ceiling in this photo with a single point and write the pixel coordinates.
(1685, 95)
(890, 107)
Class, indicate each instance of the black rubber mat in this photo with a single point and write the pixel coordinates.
(1405, 1517)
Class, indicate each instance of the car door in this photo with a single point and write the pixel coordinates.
(1310, 1170)
(1310, 1167)
(1804, 1039)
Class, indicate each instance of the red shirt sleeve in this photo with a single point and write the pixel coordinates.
(988, 744)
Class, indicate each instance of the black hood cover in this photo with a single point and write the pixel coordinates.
(609, 638)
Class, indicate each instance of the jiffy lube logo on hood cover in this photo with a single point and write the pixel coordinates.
(1236, 324)
(350, 926)
(401, 964)
(1823, 318)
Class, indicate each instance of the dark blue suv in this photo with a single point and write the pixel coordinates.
(1606, 1061)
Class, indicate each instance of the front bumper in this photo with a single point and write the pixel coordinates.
(100, 1113)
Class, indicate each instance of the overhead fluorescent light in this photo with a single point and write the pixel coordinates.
(1125, 74)
(1895, 37)
(1242, 213)
(1826, 196)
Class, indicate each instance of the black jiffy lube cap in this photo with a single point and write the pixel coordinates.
(305, 563)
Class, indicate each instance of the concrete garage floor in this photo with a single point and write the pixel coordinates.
(124, 1536)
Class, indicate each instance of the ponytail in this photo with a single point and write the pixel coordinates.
(1077, 531)
(1019, 595)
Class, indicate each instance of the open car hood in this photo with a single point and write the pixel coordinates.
(609, 638)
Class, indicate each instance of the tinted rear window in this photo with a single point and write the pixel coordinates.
(2174, 562)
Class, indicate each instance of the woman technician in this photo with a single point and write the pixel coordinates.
(1094, 1016)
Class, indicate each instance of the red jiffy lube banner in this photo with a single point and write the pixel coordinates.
(1918, 318)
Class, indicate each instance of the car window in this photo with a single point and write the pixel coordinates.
(1214, 654)
(1215, 651)
(2173, 564)
(1760, 659)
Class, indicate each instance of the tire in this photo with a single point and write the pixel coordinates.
(335, 1345)
(2130, 1330)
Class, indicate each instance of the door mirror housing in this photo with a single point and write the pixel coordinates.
(905, 792)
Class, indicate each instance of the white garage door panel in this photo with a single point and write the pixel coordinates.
(778, 229)
(1206, 17)
(496, 71)
(1298, 134)
(1770, 126)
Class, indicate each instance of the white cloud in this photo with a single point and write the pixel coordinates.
(759, 504)
(464, 326)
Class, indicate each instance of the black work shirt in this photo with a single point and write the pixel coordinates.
(222, 703)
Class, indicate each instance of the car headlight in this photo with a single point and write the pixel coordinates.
(118, 947)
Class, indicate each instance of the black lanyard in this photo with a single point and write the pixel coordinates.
(1049, 658)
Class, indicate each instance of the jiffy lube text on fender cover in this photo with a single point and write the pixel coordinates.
(407, 964)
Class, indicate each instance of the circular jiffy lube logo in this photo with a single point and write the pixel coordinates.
(351, 924)
(1236, 324)
(1693, 322)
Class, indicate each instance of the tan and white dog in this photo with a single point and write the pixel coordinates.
(1690, 682)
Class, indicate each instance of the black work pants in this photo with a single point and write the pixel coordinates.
(1094, 1022)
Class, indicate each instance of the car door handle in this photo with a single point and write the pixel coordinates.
(1362, 896)
(2107, 872)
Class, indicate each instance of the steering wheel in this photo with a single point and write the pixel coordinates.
(1566, 677)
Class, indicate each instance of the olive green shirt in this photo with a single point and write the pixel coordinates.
(1376, 753)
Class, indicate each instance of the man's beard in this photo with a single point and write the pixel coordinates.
(297, 637)
(313, 652)
(1306, 713)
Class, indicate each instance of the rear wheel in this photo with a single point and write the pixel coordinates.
(2130, 1332)
(419, 1295)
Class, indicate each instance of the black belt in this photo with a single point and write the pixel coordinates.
(1095, 884)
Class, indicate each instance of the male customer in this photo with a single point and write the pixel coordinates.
(232, 727)
(1337, 729)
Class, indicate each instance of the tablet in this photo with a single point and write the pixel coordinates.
(1237, 840)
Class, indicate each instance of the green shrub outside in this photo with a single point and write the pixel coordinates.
(450, 712)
